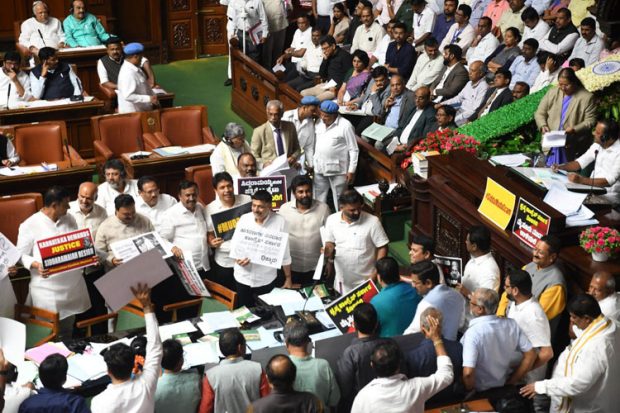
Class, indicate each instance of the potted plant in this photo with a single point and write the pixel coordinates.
(601, 242)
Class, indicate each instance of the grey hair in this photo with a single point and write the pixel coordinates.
(275, 103)
(433, 312)
(487, 299)
(296, 333)
(233, 129)
(37, 3)
(610, 284)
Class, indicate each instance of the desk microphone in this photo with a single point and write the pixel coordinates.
(8, 96)
(41, 35)
(141, 148)
(80, 97)
(591, 192)
(68, 153)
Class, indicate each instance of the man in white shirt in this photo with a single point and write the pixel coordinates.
(151, 202)
(116, 183)
(335, 155)
(481, 270)
(386, 10)
(539, 5)
(354, 241)
(8, 154)
(247, 16)
(304, 217)
(391, 391)
(423, 23)
(134, 92)
(427, 67)
(126, 393)
(381, 50)
(484, 44)
(53, 79)
(41, 30)
(605, 153)
(64, 293)
(225, 200)
(304, 118)
(254, 279)
(589, 46)
(185, 226)
(534, 26)
(603, 289)
(14, 83)
(587, 372)
(512, 17)
(461, 32)
(491, 345)
(525, 68)
(294, 54)
(468, 99)
(368, 35)
(310, 64)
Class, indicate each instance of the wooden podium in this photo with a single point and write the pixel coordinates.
(446, 205)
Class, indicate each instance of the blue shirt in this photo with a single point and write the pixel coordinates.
(396, 305)
(442, 25)
(53, 401)
(523, 71)
(452, 306)
(404, 58)
(491, 345)
(477, 10)
(391, 120)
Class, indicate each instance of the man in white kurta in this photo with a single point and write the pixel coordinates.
(64, 293)
(7, 295)
(14, 83)
(134, 92)
(603, 289)
(116, 183)
(85, 211)
(41, 30)
(354, 241)
(151, 202)
(481, 271)
(587, 373)
(303, 118)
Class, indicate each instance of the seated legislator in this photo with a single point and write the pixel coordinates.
(83, 29)
(505, 53)
(400, 56)
(247, 166)
(135, 94)
(420, 122)
(369, 102)
(14, 83)
(335, 65)
(53, 79)
(561, 39)
(520, 90)
(453, 77)
(589, 45)
(605, 153)
(445, 118)
(339, 27)
(445, 20)
(226, 153)
(275, 137)
(8, 154)
(398, 107)
(512, 17)
(534, 26)
(310, 65)
(381, 50)
(354, 84)
(368, 35)
(484, 43)
(461, 33)
(109, 66)
(549, 70)
(525, 68)
(468, 99)
(428, 67)
(497, 96)
(41, 30)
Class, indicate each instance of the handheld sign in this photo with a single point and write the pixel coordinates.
(275, 185)
(67, 251)
(225, 222)
(531, 224)
(341, 310)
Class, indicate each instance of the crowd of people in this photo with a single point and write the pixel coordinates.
(497, 334)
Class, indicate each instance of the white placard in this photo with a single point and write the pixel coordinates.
(9, 255)
(13, 340)
(261, 246)
(132, 247)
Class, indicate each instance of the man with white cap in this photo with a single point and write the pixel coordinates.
(335, 155)
(134, 92)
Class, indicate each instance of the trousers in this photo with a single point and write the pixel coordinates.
(322, 185)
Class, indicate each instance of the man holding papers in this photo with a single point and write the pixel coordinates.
(605, 153)
(251, 278)
(275, 137)
(64, 293)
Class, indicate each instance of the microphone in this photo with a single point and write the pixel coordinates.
(80, 97)
(591, 192)
(68, 153)
(41, 35)
(8, 96)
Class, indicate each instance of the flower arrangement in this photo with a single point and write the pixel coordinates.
(442, 142)
(601, 74)
(600, 240)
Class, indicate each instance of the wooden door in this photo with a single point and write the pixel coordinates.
(212, 26)
(182, 28)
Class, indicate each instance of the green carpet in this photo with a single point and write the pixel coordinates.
(201, 82)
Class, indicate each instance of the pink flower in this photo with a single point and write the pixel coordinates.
(588, 245)
(594, 230)
(607, 250)
(600, 242)
(600, 235)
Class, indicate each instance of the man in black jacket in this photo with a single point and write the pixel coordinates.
(336, 63)
(497, 96)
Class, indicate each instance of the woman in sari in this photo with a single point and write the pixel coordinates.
(354, 85)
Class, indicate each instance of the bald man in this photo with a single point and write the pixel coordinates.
(603, 289)
(90, 215)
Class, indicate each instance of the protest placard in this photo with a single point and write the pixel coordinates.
(189, 276)
(67, 251)
(341, 310)
(9, 255)
(452, 269)
(261, 246)
(531, 224)
(225, 222)
(275, 185)
(132, 247)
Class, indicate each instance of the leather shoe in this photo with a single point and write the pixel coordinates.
(228, 82)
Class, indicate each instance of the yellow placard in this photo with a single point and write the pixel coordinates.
(498, 204)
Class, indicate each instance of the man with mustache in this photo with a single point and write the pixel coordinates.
(304, 216)
(116, 183)
(83, 29)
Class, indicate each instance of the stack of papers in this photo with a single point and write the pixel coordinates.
(199, 354)
(554, 139)
(243, 315)
(564, 201)
(280, 296)
(371, 192)
(511, 160)
(377, 132)
(171, 151)
(170, 330)
(420, 162)
(24, 170)
(280, 167)
(314, 304)
(86, 366)
(204, 148)
(582, 218)
(38, 354)
(267, 339)
(221, 320)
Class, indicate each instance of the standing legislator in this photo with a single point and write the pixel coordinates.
(134, 91)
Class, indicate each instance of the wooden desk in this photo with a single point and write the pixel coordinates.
(169, 171)
(76, 116)
(85, 62)
(68, 177)
(482, 405)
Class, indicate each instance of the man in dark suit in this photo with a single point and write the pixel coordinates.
(453, 77)
(421, 121)
(497, 96)
(275, 137)
(398, 105)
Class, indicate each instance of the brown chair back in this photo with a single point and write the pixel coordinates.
(203, 176)
(222, 294)
(40, 317)
(183, 125)
(40, 142)
(121, 133)
(15, 209)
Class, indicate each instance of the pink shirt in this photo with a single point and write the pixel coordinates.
(495, 9)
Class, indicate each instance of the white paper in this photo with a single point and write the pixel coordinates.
(515, 159)
(139, 153)
(130, 248)
(243, 315)
(267, 339)
(392, 146)
(564, 201)
(169, 330)
(149, 268)
(318, 271)
(314, 304)
(27, 372)
(554, 139)
(9, 255)
(220, 320)
(204, 148)
(80, 49)
(278, 164)
(159, 91)
(324, 319)
(325, 334)
(583, 217)
(12, 171)
(13, 340)
(262, 247)
(279, 296)
(199, 354)
(343, 110)
(84, 366)
(330, 84)
(278, 68)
